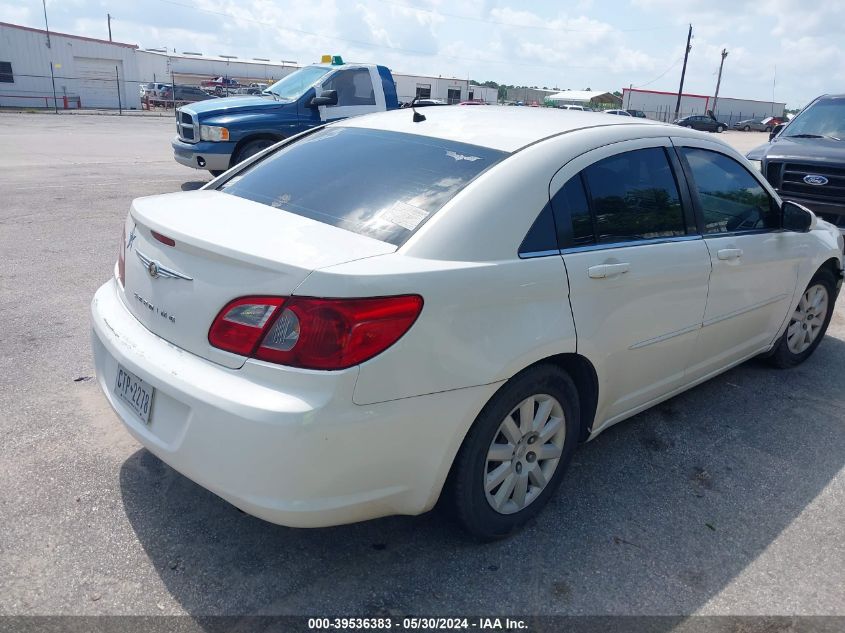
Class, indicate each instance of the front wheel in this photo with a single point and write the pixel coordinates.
(252, 148)
(807, 324)
(747, 128)
(516, 452)
(720, 129)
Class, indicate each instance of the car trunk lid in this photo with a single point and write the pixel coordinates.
(189, 254)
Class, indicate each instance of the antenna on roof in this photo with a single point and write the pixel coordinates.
(417, 118)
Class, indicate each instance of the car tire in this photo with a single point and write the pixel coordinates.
(526, 479)
(747, 128)
(252, 148)
(720, 129)
(768, 130)
(807, 323)
(215, 172)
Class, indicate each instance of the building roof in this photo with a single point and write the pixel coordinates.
(58, 34)
(584, 96)
(505, 128)
(217, 58)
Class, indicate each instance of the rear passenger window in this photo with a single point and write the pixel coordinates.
(731, 198)
(572, 215)
(634, 197)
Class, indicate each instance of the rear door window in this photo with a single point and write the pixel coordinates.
(634, 196)
(380, 184)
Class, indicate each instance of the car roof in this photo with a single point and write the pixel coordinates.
(498, 127)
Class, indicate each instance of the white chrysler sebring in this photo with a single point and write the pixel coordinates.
(398, 306)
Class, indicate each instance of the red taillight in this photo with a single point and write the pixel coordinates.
(121, 259)
(168, 241)
(241, 325)
(315, 333)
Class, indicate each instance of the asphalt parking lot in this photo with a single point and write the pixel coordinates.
(728, 499)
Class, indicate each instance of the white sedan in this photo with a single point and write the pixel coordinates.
(394, 307)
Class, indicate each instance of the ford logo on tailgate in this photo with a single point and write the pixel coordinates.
(815, 179)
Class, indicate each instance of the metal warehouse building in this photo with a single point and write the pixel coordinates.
(661, 105)
(192, 68)
(93, 73)
(83, 68)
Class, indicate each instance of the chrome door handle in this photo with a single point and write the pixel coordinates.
(602, 271)
(729, 253)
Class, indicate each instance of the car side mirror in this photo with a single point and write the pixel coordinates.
(776, 130)
(797, 218)
(326, 98)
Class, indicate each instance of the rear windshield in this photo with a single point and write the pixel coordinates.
(379, 184)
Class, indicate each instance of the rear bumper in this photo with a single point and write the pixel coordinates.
(203, 155)
(288, 446)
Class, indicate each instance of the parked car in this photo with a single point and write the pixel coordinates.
(334, 355)
(184, 94)
(618, 112)
(473, 102)
(805, 159)
(153, 89)
(756, 125)
(221, 85)
(218, 134)
(703, 123)
(569, 106)
(636, 113)
(422, 103)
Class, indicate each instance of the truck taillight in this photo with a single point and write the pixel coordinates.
(313, 333)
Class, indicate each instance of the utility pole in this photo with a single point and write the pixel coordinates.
(719, 81)
(683, 72)
(109, 18)
(46, 26)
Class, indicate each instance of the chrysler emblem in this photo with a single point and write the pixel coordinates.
(815, 179)
(158, 271)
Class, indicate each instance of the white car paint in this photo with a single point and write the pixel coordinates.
(313, 448)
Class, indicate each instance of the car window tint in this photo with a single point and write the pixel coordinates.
(541, 237)
(372, 182)
(635, 197)
(354, 87)
(731, 198)
(572, 213)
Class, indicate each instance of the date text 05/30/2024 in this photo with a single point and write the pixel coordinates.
(417, 624)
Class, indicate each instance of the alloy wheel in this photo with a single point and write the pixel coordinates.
(808, 319)
(524, 453)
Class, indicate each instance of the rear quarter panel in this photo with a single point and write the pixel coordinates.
(480, 323)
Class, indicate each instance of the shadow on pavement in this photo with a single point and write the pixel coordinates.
(193, 185)
(655, 516)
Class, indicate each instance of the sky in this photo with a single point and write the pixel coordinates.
(783, 50)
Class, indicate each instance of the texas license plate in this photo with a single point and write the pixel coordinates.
(135, 392)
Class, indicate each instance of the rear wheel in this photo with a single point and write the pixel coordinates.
(747, 128)
(720, 128)
(808, 323)
(516, 452)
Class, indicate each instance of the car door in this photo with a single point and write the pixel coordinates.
(356, 94)
(754, 262)
(637, 269)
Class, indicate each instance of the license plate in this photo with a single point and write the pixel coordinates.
(135, 392)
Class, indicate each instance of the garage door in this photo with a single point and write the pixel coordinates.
(97, 82)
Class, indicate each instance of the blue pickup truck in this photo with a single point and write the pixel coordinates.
(219, 133)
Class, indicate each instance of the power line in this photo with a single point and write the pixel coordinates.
(661, 75)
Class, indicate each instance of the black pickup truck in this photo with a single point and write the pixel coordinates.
(804, 159)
